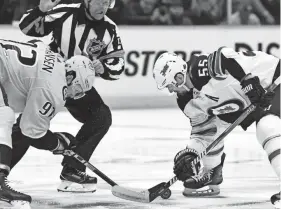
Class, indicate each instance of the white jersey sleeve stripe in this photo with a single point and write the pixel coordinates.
(66, 29)
(53, 17)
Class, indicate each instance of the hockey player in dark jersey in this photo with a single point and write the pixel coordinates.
(212, 91)
(80, 29)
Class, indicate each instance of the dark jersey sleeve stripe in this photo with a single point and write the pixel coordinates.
(182, 100)
(72, 42)
(84, 37)
(231, 65)
(32, 15)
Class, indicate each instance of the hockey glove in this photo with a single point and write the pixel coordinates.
(255, 92)
(66, 142)
(183, 168)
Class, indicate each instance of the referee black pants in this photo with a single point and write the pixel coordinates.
(89, 110)
(96, 118)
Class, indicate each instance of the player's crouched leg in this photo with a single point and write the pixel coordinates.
(7, 193)
(269, 136)
(96, 118)
(207, 182)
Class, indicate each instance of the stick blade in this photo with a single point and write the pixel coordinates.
(156, 191)
(129, 194)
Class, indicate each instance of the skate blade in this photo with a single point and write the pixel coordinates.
(20, 204)
(67, 186)
(210, 190)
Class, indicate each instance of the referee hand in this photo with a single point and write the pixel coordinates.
(46, 5)
(98, 66)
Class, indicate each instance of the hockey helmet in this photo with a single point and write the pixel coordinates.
(166, 67)
(80, 76)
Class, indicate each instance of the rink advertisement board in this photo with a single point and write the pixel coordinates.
(143, 45)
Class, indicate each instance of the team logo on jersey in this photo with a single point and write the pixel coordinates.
(226, 107)
(95, 48)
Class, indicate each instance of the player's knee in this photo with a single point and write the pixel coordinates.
(107, 117)
(268, 128)
(269, 136)
(213, 158)
(104, 118)
(108, 120)
(7, 116)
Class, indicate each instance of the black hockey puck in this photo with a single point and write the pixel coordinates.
(275, 200)
(167, 194)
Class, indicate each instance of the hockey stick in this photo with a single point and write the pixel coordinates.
(160, 189)
(147, 196)
(116, 190)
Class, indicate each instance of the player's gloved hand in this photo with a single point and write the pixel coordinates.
(253, 89)
(183, 168)
(97, 64)
(46, 5)
(66, 142)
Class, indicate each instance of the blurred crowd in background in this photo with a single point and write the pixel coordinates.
(170, 12)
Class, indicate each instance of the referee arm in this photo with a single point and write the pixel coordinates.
(39, 24)
(112, 57)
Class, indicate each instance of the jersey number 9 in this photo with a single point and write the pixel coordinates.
(47, 109)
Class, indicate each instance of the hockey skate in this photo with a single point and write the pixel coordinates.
(275, 200)
(205, 183)
(73, 180)
(8, 194)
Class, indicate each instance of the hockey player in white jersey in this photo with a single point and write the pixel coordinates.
(212, 91)
(35, 81)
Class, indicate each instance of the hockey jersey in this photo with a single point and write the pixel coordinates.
(74, 34)
(33, 78)
(217, 98)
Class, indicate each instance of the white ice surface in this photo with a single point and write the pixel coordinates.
(138, 152)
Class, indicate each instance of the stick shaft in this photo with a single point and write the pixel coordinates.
(240, 119)
(90, 166)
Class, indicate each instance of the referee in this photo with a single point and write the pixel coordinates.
(80, 29)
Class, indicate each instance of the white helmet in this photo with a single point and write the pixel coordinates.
(166, 67)
(80, 76)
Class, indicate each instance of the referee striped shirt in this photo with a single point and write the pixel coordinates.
(75, 34)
